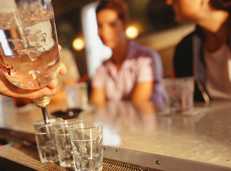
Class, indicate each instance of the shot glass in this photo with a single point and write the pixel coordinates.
(87, 147)
(64, 147)
(77, 96)
(63, 141)
(45, 141)
(179, 94)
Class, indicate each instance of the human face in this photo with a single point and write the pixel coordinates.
(111, 28)
(189, 10)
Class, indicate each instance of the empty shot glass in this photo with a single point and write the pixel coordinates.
(179, 94)
(87, 148)
(63, 141)
(64, 147)
(77, 96)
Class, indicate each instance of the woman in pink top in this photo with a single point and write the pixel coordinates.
(133, 72)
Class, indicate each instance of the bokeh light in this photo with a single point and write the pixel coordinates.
(78, 43)
(132, 32)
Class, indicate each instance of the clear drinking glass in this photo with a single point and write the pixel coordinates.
(53, 140)
(28, 42)
(179, 94)
(45, 141)
(87, 148)
(63, 141)
(64, 147)
(77, 96)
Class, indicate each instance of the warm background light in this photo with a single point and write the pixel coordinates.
(78, 43)
(132, 32)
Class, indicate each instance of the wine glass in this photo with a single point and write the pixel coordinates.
(28, 44)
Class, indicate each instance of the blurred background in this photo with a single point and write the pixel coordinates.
(151, 23)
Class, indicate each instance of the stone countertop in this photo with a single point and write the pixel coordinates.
(202, 137)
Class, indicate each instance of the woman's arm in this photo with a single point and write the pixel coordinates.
(143, 92)
(98, 97)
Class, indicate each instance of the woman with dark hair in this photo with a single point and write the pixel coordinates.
(133, 72)
(205, 53)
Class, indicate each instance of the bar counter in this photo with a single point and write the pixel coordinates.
(139, 135)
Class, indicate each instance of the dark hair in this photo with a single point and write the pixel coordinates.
(222, 4)
(118, 6)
